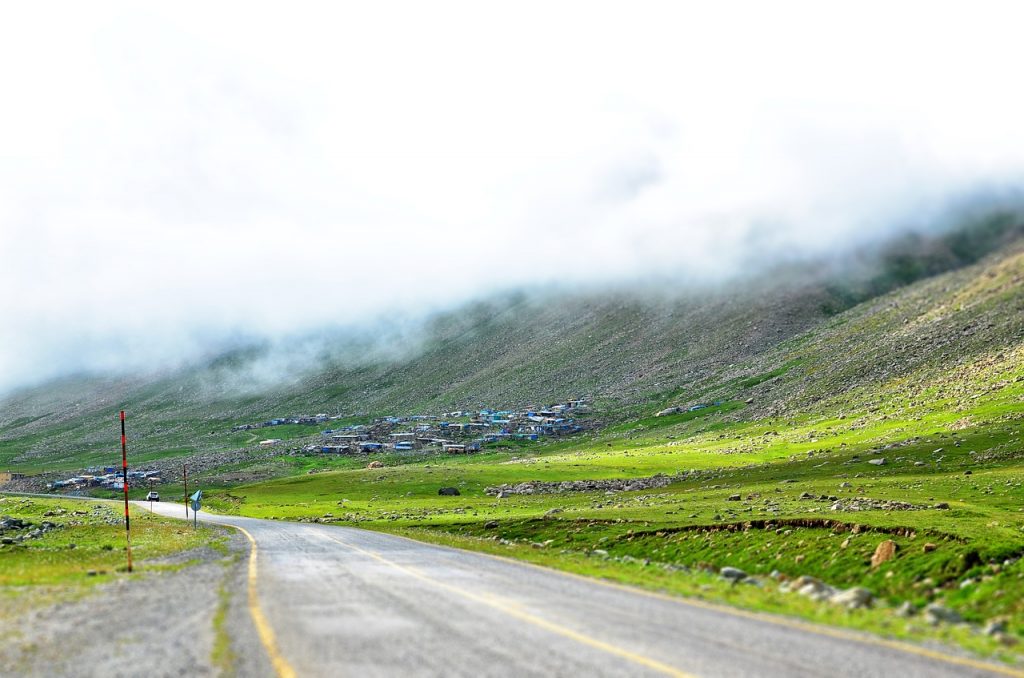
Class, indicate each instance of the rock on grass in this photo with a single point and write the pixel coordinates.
(884, 552)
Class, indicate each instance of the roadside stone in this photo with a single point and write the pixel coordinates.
(733, 574)
(884, 552)
(1006, 639)
(937, 614)
(812, 587)
(854, 598)
(906, 609)
(995, 626)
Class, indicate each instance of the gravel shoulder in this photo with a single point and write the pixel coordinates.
(192, 620)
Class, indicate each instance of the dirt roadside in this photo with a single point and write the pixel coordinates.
(189, 621)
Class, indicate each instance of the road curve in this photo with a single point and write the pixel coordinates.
(341, 601)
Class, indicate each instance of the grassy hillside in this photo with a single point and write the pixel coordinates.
(776, 337)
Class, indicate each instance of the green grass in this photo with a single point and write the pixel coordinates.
(751, 382)
(694, 527)
(90, 536)
(223, 657)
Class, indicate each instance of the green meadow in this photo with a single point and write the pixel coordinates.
(86, 544)
(778, 498)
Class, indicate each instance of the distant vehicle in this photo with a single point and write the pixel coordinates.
(153, 496)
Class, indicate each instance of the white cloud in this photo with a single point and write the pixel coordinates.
(175, 175)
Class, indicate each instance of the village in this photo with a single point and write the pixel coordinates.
(107, 478)
(457, 432)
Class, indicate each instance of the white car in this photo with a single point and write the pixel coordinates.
(153, 496)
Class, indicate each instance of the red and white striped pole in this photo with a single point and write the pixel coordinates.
(124, 470)
(184, 472)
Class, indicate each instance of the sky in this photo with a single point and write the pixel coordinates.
(179, 175)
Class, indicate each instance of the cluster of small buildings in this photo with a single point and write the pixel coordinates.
(456, 432)
(311, 420)
(109, 478)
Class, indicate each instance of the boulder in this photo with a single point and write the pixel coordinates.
(375, 464)
(734, 497)
(491, 524)
(551, 513)
(449, 492)
(877, 462)
(884, 552)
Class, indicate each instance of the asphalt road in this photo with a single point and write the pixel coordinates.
(339, 601)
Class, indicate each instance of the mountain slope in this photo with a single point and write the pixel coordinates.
(774, 338)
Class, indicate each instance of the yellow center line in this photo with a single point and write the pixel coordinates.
(513, 611)
(266, 634)
(757, 616)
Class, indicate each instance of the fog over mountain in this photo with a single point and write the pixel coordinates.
(178, 179)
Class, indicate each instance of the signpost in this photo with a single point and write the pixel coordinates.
(196, 499)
